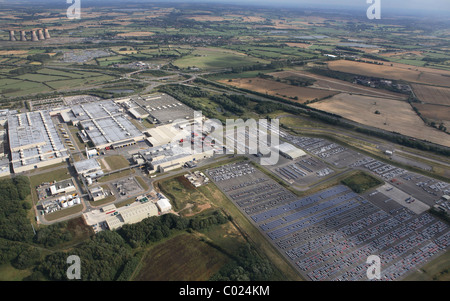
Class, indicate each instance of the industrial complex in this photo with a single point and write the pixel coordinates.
(114, 161)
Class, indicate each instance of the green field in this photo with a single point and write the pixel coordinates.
(116, 162)
(215, 59)
(361, 182)
(182, 193)
(63, 212)
(9, 273)
(438, 269)
(181, 258)
(55, 175)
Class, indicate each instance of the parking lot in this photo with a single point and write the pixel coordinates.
(423, 188)
(330, 234)
(335, 154)
(305, 170)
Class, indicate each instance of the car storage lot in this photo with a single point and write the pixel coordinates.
(306, 170)
(422, 188)
(330, 234)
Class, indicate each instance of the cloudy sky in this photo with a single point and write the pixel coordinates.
(394, 6)
(387, 5)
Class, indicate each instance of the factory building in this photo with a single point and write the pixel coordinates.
(158, 108)
(289, 151)
(164, 205)
(129, 215)
(87, 168)
(65, 186)
(105, 124)
(97, 193)
(34, 142)
(4, 167)
(170, 156)
(165, 134)
(138, 113)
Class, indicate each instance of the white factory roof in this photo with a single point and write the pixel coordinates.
(165, 134)
(134, 214)
(129, 215)
(290, 150)
(104, 122)
(88, 165)
(33, 139)
(164, 205)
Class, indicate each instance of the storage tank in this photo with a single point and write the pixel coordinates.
(64, 204)
(70, 203)
(76, 201)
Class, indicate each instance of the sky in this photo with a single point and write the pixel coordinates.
(387, 6)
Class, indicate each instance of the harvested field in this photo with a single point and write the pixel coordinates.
(432, 95)
(202, 18)
(400, 53)
(13, 52)
(323, 82)
(394, 115)
(252, 19)
(435, 112)
(136, 34)
(275, 88)
(397, 71)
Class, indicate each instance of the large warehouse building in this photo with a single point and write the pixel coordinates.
(129, 215)
(289, 151)
(158, 108)
(33, 141)
(105, 124)
(170, 156)
(165, 134)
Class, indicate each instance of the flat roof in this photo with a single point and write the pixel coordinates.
(164, 204)
(87, 165)
(164, 134)
(291, 150)
(104, 122)
(164, 153)
(33, 139)
(108, 208)
(164, 107)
